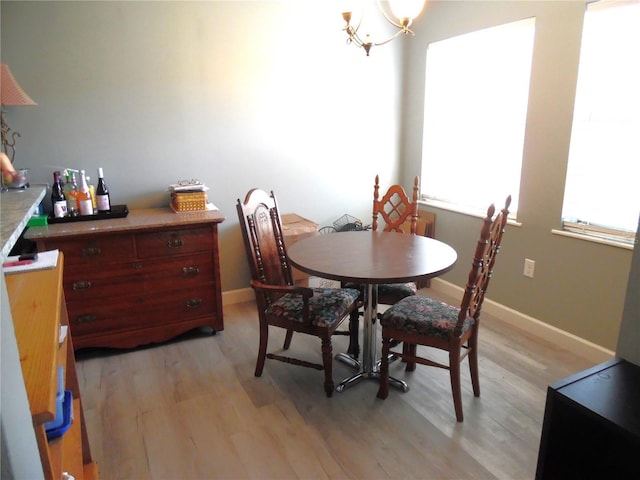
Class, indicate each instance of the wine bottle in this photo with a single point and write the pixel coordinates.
(58, 200)
(85, 206)
(71, 192)
(102, 194)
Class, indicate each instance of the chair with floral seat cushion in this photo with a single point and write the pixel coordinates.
(398, 214)
(424, 321)
(318, 311)
(396, 210)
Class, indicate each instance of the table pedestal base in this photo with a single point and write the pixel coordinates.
(363, 375)
(369, 368)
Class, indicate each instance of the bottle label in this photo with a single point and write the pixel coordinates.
(86, 207)
(60, 209)
(72, 203)
(103, 203)
(92, 192)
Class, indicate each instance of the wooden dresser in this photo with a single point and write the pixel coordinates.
(140, 279)
(38, 310)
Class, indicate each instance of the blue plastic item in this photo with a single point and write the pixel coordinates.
(57, 421)
(67, 417)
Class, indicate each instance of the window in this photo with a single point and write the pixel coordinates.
(602, 196)
(476, 97)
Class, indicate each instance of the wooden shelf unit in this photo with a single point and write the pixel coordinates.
(38, 308)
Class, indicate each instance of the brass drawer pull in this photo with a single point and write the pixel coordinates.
(194, 302)
(88, 318)
(175, 242)
(81, 285)
(190, 271)
(91, 251)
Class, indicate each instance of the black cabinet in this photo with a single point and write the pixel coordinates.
(591, 426)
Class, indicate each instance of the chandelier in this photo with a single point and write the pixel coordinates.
(402, 14)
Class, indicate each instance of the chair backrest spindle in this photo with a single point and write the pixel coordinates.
(484, 259)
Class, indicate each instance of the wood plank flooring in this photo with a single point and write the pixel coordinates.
(192, 409)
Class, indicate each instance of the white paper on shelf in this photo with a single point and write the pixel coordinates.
(45, 261)
(63, 333)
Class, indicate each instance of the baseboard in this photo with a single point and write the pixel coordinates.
(241, 295)
(566, 340)
(560, 338)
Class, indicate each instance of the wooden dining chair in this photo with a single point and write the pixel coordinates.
(396, 211)
(317, 311)
(398, 214)
(426, 226)
(428, 322)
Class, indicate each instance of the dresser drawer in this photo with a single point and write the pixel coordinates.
(143, 310)
(91, 253)
(104, 285)
(135, 278)
(178, 273)
(174, 242)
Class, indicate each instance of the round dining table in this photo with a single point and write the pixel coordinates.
(371, 258)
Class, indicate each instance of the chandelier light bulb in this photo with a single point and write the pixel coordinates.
(406, 9)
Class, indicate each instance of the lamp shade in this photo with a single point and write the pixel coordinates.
(12, 94)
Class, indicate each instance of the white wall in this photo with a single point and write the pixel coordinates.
(238, 94)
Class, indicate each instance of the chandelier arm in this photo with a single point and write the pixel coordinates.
(353, 37)
(405, 31)
(388, 19)
(352, 32)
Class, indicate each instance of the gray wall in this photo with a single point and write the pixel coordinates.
(629, 337)
(579, 286)
(244, 94)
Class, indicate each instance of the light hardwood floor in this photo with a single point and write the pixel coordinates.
(192, 409)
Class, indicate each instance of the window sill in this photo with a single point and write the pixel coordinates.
(590, 238)
(465, 211)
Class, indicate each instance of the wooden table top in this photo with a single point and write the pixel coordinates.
(372, 257)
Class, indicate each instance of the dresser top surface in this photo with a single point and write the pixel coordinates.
(137, 219)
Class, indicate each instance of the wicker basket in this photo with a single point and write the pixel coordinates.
(189, 201)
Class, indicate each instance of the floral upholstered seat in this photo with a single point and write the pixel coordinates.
(424, 316)
(397, 291)
(326, 306)
(318, 312)
(431, 323)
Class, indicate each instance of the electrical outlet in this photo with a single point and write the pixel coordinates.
(529, 267)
